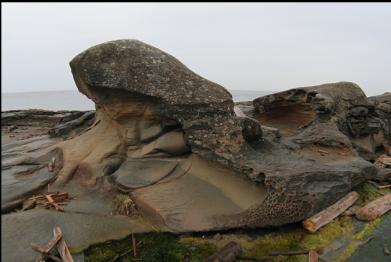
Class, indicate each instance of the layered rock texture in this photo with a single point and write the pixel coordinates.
(175, 146)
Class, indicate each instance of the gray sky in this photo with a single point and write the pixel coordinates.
(248, 46)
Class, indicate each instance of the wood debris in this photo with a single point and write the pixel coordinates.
(53, 203)
(50, 199)
(228, 253)
(58, 241)
(375, 208)
(324, 217)
(62, 247)
(49, 246)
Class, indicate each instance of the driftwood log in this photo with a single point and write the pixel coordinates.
(228, 253)
(324, 217)
(49, 246)
(54, 204)
(375, 208)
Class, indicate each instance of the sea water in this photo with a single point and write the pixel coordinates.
(74, 100)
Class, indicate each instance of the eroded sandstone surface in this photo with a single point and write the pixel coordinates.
(176, 147)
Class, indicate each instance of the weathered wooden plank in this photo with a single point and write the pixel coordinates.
(324, 217)
(375, 208)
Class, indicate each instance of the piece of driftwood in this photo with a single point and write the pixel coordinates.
(62, 247)
(313, 256)
(324, 217)
(294, 252)
(134, 246)
(49, 246)
(228, 253)
(54, 204)
(375, 208)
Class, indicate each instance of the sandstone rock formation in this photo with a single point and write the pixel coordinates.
(175, 144)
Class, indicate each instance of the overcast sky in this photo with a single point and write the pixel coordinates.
(248, 46)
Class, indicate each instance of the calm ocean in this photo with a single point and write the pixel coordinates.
(73, 100)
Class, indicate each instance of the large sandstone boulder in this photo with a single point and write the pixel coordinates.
(128, 77)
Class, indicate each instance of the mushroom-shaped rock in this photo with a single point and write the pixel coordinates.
(130, 78)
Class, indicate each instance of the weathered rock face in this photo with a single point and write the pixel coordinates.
(189, 160)
(128, 77)
(297, 108)
(365, 121)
